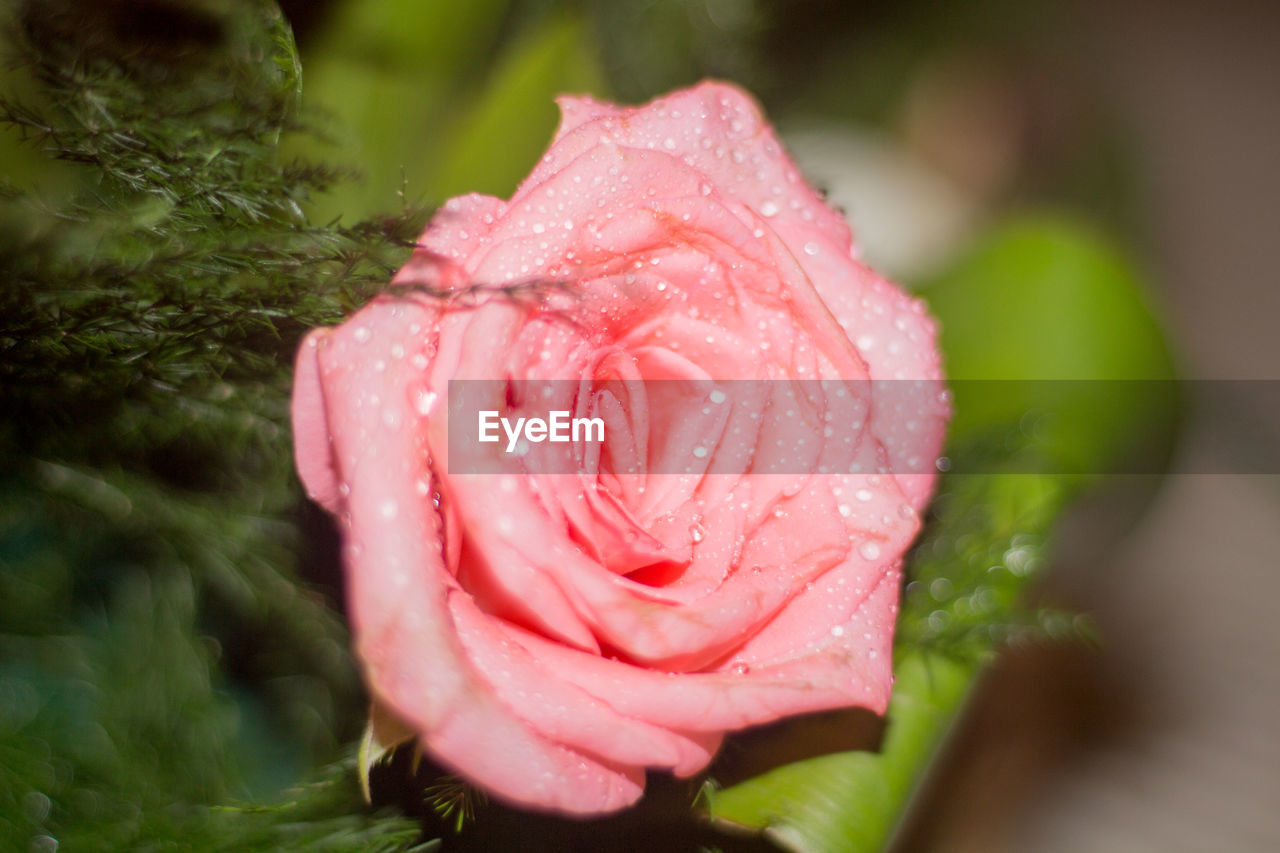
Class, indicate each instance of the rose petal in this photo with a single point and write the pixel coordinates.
(312, 450)
(562, 712)
(714, 128)
(399, 590)
(840, 673)
(897, 338)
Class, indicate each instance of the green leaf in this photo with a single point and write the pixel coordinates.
(406, 86)
(1055, 314)
(850, 800)
(391, 74)
(510, 125)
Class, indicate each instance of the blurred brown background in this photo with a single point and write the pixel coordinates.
(1167, 739)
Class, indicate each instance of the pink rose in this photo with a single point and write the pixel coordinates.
(550, 635)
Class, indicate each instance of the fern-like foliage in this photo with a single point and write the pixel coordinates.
(987, 541)
(159, 658)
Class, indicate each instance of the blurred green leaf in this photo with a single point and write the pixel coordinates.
(1046, 297)
(411, 102)
(1049, 304)
(510, 125)
(390, 73)
(653, 46)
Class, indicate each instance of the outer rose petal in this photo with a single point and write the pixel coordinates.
(399, 588)
(897, 338)
(456, 232)
(311, 448)
(714, 128)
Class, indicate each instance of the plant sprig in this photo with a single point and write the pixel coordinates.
(160, 656)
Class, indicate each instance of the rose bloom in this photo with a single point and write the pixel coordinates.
(551, 635)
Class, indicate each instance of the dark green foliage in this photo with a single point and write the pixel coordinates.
(159, 657)
(181, 267)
